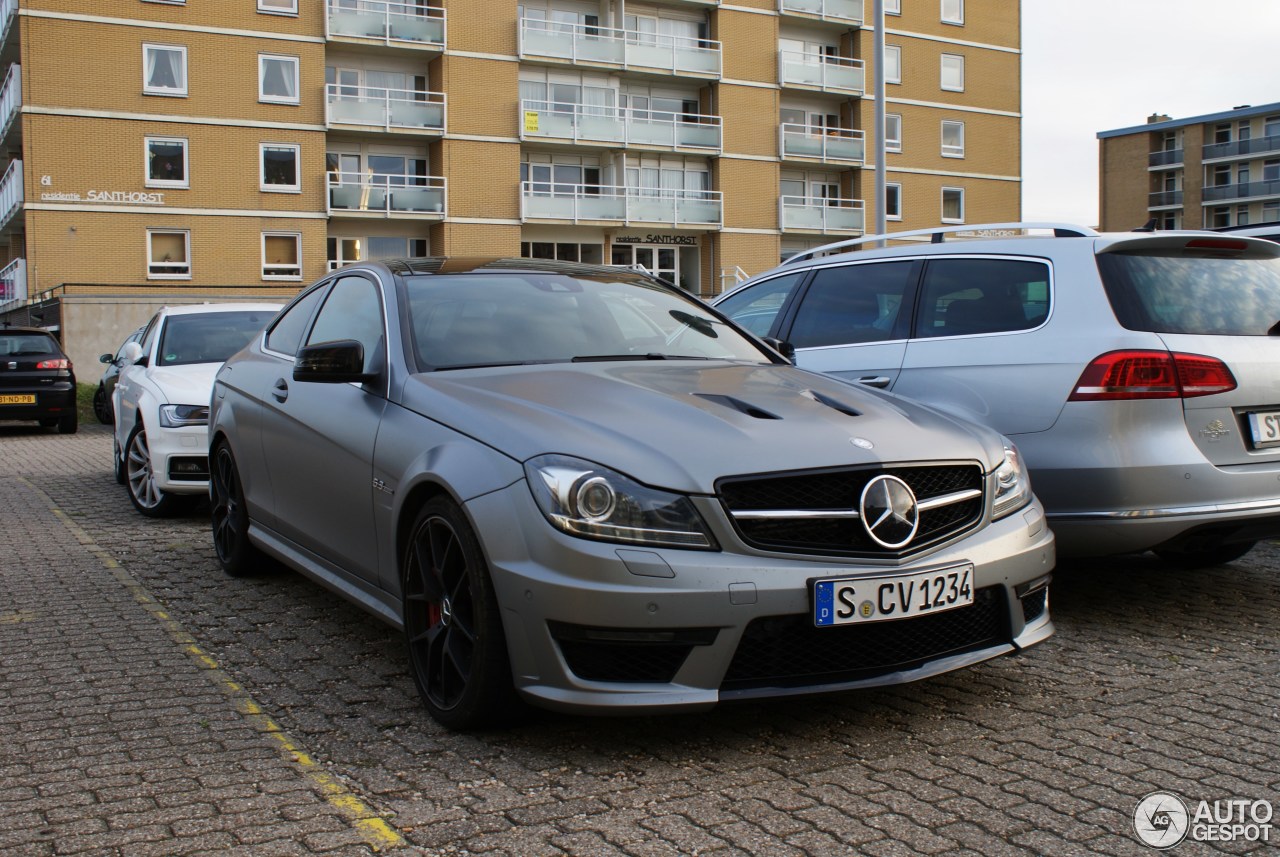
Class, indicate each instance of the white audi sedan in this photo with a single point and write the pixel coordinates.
(161, 400)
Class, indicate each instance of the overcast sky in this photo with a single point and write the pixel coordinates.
(1091, 66)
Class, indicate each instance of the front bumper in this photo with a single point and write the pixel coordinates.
(598, 627)
(180, 458)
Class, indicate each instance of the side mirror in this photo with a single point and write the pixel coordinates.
(786, 349)
(132, 354)
(105, 358)
(339, 362)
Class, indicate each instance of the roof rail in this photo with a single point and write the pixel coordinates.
(937, 235)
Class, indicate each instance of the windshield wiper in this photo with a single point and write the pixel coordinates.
(495, 365)
(604, 358)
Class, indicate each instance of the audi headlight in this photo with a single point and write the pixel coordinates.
(594, 502)
(1013, 484)
(178, 416)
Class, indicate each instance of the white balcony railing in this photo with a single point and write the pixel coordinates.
(576, 202)
(399, 24)
(388, 109)
(827, 10)
(11, 193)
(826, 73)
(386, 195)
(621, 125)
(821, 214)
(8, 15)
(13, 281)
(587, 43)
(829, 145)
(10, 98)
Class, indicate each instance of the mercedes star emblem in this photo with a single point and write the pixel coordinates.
(889, 512)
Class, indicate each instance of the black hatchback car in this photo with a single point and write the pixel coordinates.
(36, 379)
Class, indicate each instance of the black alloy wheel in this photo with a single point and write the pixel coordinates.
(230, 516)
(102, 406)
(457, 648)
(1206, 556)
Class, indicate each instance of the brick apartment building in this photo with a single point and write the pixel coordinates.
(189, 150)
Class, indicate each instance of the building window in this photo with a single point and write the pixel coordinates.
(164, 70)
(1169, 220)
(893, 132)
(952, 139)
(892, 201)
(1222, 133)
(168, 254)
(166, 162)
(1271, 170)
(953, 11)
(1271, 212)
(1220, 216)
(278, 7)
(1271, 126)
(277, 79)
(1242, 215)
(893, 7)
(280, 167)
(281, 256)
(953, 72)
(892, 64)
(953, 205)
(564, 251)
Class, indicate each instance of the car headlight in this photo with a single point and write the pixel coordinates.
(594, 502)
(1013, 484)
(178, 416)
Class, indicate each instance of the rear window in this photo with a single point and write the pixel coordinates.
(24, 344)
(1177, 294)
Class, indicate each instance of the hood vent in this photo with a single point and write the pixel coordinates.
(739, 405)
(847, 410)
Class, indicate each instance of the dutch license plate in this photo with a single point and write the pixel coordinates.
(1265, 426)
(853, 600)
(17, 400)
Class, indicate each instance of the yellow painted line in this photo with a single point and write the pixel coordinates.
(377, 832)
(18, 616)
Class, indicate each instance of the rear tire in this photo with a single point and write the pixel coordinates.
(102, 406)
(230, 517)
(1205, 557)
(140, 479)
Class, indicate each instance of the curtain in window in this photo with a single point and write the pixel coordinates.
(279, 78)
(164, 69)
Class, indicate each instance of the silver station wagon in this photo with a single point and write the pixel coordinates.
(1139, 373)
(581, 487)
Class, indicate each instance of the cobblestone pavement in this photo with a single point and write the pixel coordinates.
(151, 705)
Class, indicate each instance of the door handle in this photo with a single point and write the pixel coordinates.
(874, 381)
(281, 390)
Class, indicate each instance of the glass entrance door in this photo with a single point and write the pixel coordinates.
(659, 260)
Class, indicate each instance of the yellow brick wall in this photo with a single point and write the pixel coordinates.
(749, 117)
(749, 43)
(752, 253)
(480, 239)
(484, 178)
(229, 14)
(483, 96)
(750, 192)
(991, 22)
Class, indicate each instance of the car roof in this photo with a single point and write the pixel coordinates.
(15, 329)
(201, 309)
(493, 264)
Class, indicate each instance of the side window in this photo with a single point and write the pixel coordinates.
(756, 307)
(967, 296)
(149, 335)
(352, 311)
(852, 304)
(286, 334)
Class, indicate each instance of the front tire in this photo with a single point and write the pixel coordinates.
(102, 406)
(452, 623)
(140, 479)
(230, 516)
(1205, 556)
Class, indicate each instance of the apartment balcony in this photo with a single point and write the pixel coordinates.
(10, 32)
(1165, 199)
(837, 75)
(387, 111)
(11, 196)
(590, 45)
(387, 24)
(566, 203)
(835, 11)
(13, 281)
(386, 196)
(1239, 149)
(619, 127)
(1222, 193)
(11, 107)
(841, 146)
(1165, 159)
(821, 214)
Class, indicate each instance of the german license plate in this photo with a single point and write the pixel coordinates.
(854, 600)
(1265, 426)
(17, 400)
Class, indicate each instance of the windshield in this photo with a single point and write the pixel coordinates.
(208, 337)
(1186, 294)
(489, 318)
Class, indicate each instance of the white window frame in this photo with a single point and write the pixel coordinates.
(952, 152)
(297, 243)
(174, 92)
(943, 205)
(148, 181)
(889, 215)
(186, 244)
(892, 144)
(956, 18)
(897, 53)
(954, 63)
(893, 7)
(266, 7)
(262, 168)
(263, 59)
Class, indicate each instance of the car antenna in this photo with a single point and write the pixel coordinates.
(1149, 226)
